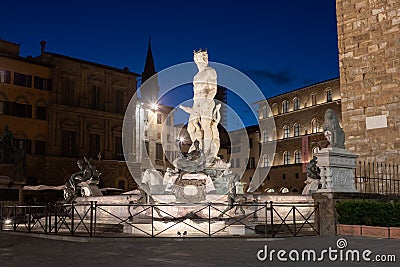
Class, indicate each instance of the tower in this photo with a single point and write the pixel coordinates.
(149, 88)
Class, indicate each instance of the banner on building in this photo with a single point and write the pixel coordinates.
(304, 152)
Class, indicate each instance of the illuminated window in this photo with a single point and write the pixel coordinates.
(315, 150)
(296, 129)
(296, 103)
(286, 131)
(5, 76)
(297, 156)
(313, 99)
(265, 136)
(285, 106)
(329, 95)
(266, 160)
(314, 126)
(265, 112)
(286, 158)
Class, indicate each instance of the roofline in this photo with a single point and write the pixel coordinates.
(301, 88)
(28, 60)
(94, 64)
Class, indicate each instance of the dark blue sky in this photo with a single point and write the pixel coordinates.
(281, 45)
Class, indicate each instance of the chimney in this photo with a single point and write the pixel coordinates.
(42, 47)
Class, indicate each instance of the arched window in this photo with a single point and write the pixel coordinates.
(314, 126)
(285, 106)
(265, 112)
(296, 129)
(328, 95)
(284, 190)
(266, 162)
(296, 103)
(286, 132)
(297, 156)
(265, 136)
(275, 109)
(315, 150)
(237, 163)
(232, 163)
(286, 158)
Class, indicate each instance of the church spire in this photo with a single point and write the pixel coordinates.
(149, 69)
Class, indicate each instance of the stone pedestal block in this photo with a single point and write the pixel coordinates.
(336, 170)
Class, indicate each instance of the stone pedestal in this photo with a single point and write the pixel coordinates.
(336, 170)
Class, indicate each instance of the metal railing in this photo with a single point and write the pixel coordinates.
(163, 220)
(377, 178)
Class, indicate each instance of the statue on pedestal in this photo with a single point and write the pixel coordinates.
(83, 182)
(204, 114)
(332, 130)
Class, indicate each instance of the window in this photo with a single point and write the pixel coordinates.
(96, 91)
(296, 129)
(40, 148)
(283, 176)
(94, 145)
(69, 144)
(265, 112)
(266, 161)
(265, 136)
(286, 132)
(232, 163)
(145, 152)
(5, 76)
(121, 184)
(118, 150)
(296, 103)
(69, 92)
(237, 163)
(119, 102)
(297, 156)
(285, 106)
(286, 158)
(329, 95)
(314, 126)
(24, 144)
(315, 150)
(159, 151)
(22, 110)
(22, 79)
(313, 99)
(296, 175)
(250, 163)
(159, 118)
(42, 83)
(41, 113)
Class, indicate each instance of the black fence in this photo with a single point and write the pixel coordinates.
(162, 220)
(377, 178)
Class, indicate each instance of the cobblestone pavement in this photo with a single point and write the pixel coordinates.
(23, 250)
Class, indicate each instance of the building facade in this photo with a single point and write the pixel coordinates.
(25, 91)
(368, 39)
(298, 117)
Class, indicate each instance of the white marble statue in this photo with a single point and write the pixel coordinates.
(204, 114)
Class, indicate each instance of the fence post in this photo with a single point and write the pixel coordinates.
(15, 218)
(95, 217)
(152, 220)
(45, 218)
(29, 218)
(1, 217)
(265, 220)
(91, 219)
(55, 219)
(209, 219)
(272, 219)
(72, 218)
(294, 220)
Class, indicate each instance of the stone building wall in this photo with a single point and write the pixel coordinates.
(369, 61)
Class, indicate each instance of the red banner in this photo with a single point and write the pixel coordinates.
(304, 152)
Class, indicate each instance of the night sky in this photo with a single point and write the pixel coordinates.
(281, 45)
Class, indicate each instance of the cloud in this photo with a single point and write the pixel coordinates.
(284, 77)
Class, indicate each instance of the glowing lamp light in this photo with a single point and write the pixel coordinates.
(153, 106)
(7, 221)
(181, 139)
